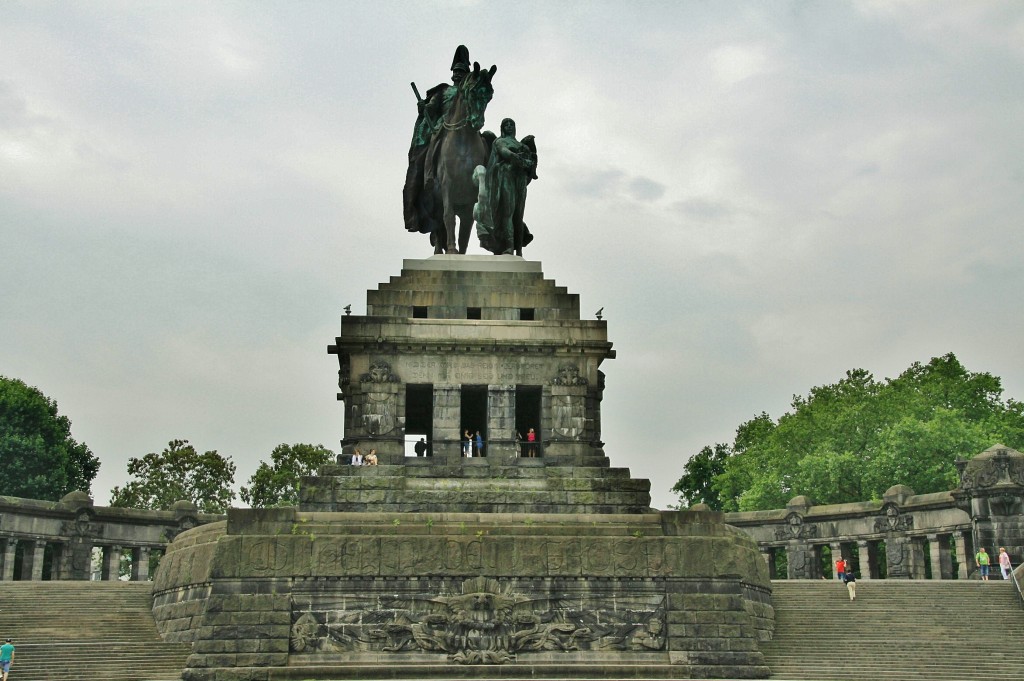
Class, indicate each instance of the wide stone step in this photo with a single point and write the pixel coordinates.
(896, 630)
(99, 631)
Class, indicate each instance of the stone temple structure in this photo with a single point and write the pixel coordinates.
(446, 566)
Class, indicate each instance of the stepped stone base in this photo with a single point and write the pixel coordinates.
(485, 567)
(290, 594)
(554, 484)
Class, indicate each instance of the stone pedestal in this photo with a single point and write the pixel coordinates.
(445, 566)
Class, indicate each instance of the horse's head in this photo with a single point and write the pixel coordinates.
(478, 92)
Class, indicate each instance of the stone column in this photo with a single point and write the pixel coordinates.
(938, 552)
(447, 436)
(10, 548)
(864, 555)
(962, 565)
(837, 553)
(916, 545)
(27, 554)
(140, 564)
(111, 569)
(799, 561)
(501, 422)
(38, 551)
(897, 557)
(768, 554)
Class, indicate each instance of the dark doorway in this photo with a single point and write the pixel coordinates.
(528, 416)
(473, 411)
(419, 413)
(19, 562)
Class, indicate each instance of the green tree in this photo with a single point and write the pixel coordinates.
(278, 484)
(40, 458)
(178, 473)
(852, 440)
(695, 487)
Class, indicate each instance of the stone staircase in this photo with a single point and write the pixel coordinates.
(896, 630)
(91, 631)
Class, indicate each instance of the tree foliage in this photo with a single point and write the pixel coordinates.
(278, 484)
(40, 458)
(854, 439)
(178, 473)
(696, 486)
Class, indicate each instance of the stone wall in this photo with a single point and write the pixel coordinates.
(304, 595)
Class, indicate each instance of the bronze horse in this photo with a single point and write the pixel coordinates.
(462, 148)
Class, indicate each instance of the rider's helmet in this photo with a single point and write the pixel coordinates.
(460, 64)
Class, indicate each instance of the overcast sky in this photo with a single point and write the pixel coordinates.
(761, 195)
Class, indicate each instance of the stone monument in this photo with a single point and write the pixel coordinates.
(524, 558)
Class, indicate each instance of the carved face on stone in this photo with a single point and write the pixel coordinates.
(508, 128)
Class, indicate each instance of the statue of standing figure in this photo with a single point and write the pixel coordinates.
(512, 165)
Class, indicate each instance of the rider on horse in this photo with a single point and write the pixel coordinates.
(417, 204)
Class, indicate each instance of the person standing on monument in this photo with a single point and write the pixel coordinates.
(531, 443)
(479, 442)
(421, 447)
(981, 559)
(840, 568)
(467, 444)
(6, 658)
(1004, 562)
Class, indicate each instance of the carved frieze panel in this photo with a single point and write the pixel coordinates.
(484, 621)
(568, 557)
(796, 528)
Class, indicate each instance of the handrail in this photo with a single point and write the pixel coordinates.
(1016, 582)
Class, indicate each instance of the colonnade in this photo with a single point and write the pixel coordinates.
(44, 558)
(938, 555)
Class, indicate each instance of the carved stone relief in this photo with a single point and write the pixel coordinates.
(568, 416)
(485, 623)
(796, 528)
(893, 520)
(568, 374)
(380, 372)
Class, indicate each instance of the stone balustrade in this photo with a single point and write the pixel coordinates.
(902, 535)
(65, 539)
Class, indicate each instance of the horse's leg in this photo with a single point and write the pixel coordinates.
(449, 228)
(465, 229)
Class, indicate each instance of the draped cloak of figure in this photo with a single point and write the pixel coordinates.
(510, 168)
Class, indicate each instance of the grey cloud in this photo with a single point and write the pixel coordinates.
(614, 183)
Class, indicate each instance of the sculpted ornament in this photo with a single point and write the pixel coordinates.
(568, 374)
(380, 372)
(893, 521)
(487, 623)
(795, 528)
